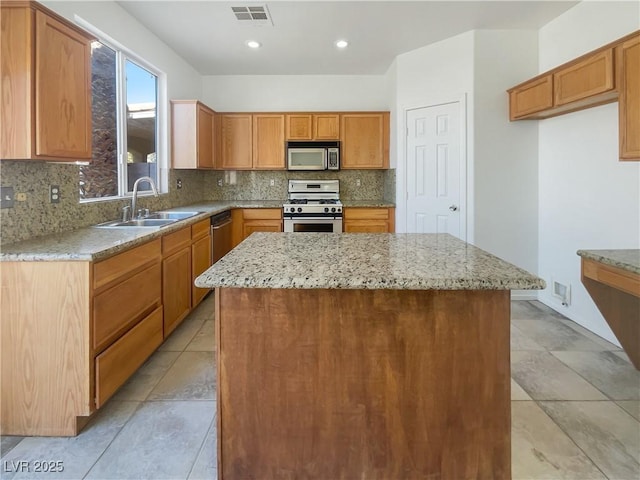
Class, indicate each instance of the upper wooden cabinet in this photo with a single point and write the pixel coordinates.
(312, 126)
(252, 141)
(46, 85)
(605, 75)
(628, 72)
(193, 135)
(531, 97)
(584, 79)
(364, 140)
(268, 141)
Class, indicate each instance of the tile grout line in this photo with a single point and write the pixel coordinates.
(206, 436)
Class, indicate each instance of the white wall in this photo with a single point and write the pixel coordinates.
(505, 167)
(438, 73)
(238, 93)
(588, 199)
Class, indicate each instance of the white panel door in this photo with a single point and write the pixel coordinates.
(433, 170)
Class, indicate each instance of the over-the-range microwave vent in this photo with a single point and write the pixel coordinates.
(253, 15)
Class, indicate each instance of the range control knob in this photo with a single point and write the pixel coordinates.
(326, 209)
(339, 209)
(299, 209)
(293, 209)
(333, 209)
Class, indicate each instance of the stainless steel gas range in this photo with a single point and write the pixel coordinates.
(313, 206)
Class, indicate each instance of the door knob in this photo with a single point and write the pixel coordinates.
(453, 208)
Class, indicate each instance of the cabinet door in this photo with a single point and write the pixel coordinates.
(532, 97)
(236, 141)
(63, 90)
(366, 226)
(326, 126)
(205, 137)
(176, 288)
(368, 220)
(365, 140)
(628, 61)
(251, 226)
(268, 141)
(586, 78)
(298, 126)
(200, 261)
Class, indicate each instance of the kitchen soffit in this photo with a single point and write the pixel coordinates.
(302, 38)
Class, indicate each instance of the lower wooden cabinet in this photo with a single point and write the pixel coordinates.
(368, 220)
(118, 362)
(200, 257)
(249, 220)
(176, 278)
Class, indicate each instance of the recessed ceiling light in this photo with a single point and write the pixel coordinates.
(342, 44)
(253, 44)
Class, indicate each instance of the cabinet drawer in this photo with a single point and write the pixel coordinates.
(117, 363)
(116, 309)
(175, 241)
(200, 229)
(366, 214)
(589, 77)
(113, 268)
(262, 214)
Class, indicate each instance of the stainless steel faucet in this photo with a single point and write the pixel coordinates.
(134, 197)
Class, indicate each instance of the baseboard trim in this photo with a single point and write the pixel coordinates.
(524, 295)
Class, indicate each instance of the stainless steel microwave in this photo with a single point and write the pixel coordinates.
(313, 155)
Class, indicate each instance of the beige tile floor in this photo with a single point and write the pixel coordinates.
(575, 410)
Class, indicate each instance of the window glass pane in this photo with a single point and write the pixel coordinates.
(100, 178)
(141, 125)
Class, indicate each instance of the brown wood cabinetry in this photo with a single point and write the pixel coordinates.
(368, 220)
(249, 220)
(608, 74)
(200, 257)
(193, 135)
(312, 126)
(236, 138)
(46, 85)
(176, 278)
(531, 97)
(628, 72)
(586, 78)
(365, 140)
(268, 141)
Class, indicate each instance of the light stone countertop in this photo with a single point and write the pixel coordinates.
(364, 261)
(367, 203)
(626, 259)
(93, 243)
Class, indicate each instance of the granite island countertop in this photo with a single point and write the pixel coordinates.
(93, 243)
(626, 259)
(364, 261)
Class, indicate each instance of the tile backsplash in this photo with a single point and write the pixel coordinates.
(272, 185)
(36, 216)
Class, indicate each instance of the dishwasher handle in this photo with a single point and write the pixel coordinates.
(218, 226)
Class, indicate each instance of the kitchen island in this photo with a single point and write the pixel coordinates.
(377, 356)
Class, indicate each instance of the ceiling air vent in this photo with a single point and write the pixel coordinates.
(254, 15)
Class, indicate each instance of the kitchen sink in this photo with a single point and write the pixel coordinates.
(171, 215)
(153, 220)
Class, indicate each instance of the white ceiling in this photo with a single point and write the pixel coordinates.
(301, 41)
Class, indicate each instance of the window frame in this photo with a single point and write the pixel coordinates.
(162, 159)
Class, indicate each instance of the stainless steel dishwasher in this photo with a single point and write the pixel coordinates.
(220, 235)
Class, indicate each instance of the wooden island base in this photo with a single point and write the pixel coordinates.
(363, 384)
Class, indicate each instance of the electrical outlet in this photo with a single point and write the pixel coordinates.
(6, 197)
(358, 182)
(54, 193)
(21, 197)
(272, 183)
(219, 182)
(179, 183)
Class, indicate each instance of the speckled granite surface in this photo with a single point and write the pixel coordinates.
(93, 244)
(364, 261)
(367, 203)
(626, 259)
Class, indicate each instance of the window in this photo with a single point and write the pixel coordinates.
(125, 124)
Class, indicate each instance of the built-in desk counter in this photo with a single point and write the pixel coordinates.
(363, 356)
(612, 278)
